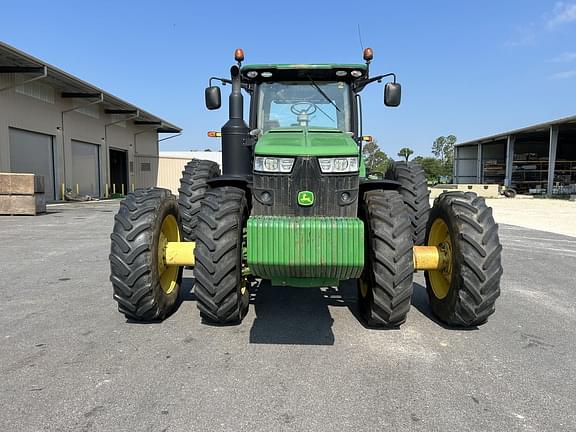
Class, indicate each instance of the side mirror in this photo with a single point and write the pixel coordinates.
(392, 94)
(213, 97)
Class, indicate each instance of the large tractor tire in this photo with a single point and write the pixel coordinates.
(192, 189)
(385, 287)
(144, 287)
(414, 191)
(464, 291)
(221, 289)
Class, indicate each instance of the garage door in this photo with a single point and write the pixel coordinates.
(32, 152)
(86, 168)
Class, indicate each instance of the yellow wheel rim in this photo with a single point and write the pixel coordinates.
(169, 232)
(440, 279)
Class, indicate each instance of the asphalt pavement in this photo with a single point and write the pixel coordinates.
(300, 361)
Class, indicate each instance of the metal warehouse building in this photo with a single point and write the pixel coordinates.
(539, 159)
(74, 134)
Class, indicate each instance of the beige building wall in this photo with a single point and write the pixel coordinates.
(169, 172)
(171, 165)
(38, 107)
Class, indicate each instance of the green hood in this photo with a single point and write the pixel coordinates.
(303, 141)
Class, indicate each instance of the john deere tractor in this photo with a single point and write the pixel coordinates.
(293, 204)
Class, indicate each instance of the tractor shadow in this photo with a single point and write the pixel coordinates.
(291, 316)
(420, 301)
(287, 315)
(301, 316)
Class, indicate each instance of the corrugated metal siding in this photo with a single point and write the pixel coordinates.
(169, 173)
(165, 171)
(7, 80)
(318, 247)
(90, 110)
(42, 92)
(145, 171)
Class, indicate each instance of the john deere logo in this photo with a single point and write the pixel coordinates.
(305, 198)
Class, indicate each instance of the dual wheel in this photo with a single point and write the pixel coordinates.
(146, 288)
(462, 290)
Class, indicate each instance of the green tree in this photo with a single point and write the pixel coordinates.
(443, 149)
(432, 167)
(405, 153)
(374, 158)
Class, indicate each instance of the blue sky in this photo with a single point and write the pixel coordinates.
(467, 68)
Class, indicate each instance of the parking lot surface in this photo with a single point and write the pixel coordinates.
(301, 360)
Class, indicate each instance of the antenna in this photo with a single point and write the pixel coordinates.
(360, 37)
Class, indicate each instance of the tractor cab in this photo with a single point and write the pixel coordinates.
(303, 96)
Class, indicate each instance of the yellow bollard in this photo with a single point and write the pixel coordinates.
(106, 191)
(77, 189)
(63, 192)
(132, 187)
(113, 188)
(122, 189)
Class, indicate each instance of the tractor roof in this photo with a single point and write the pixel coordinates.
(320, 72)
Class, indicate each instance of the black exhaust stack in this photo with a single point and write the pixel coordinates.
(236, 154)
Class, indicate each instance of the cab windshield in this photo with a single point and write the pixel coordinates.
(304, 103)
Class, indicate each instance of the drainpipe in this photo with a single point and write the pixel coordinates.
(98, 101)
(107, 147)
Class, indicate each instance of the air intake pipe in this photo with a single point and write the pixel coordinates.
(236, 154)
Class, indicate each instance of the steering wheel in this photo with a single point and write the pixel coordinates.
(307, 108)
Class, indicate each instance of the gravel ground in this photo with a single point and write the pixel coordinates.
(556, 216)
(301, 360)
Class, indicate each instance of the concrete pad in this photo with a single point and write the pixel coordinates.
(300, 361)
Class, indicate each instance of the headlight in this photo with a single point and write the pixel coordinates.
(338, 165)
(273, 164)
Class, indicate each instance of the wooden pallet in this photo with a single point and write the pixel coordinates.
(22, 194)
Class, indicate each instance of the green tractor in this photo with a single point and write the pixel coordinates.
(294, 205)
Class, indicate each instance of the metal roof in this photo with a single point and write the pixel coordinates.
(12, 59)
(534, 128)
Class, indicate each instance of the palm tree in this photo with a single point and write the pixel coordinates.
(405, 153)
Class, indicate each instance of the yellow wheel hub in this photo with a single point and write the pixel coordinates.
(168, 274)
(440, 279)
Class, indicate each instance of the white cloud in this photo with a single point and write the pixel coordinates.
(564, 75)
(565, 57)
(563, 13)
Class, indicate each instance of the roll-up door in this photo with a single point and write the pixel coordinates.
(32, 152)
(86, 168)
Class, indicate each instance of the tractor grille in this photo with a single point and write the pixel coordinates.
(306, 176)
